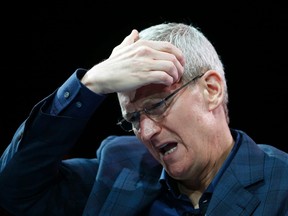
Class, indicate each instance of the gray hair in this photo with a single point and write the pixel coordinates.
(200, 55)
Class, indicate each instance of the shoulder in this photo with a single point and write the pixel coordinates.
(274, 154)
(117, 143)
(261, 157)
(275, 168)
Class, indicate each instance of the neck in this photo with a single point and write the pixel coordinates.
(194, 189)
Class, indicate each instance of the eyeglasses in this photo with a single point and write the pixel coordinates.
(153, 111)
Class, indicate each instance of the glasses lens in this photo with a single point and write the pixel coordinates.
(156, 109)
(125, 125)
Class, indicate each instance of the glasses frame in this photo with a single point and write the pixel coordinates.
(146, 110)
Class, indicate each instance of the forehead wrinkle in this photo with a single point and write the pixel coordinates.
(149, 91)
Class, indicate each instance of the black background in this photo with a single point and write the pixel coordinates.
(43, 44)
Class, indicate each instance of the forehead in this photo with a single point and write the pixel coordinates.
(150, 91)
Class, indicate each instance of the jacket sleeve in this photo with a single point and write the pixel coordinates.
(34, 178)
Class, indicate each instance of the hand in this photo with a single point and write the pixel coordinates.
(135, 63)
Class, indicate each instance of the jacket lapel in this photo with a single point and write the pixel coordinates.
(232, 198)
(234, 192)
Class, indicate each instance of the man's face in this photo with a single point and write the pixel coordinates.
(179, 137)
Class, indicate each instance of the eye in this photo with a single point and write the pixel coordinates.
(156, 109)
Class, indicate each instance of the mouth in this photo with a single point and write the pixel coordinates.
(167, 148)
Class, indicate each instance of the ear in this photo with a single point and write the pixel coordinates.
(214, 89)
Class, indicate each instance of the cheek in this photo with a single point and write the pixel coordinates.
(186, 114)
(188, 120)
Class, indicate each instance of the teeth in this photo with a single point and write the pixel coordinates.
(162, 148)
(170, 151)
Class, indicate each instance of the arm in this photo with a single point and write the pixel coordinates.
(32, 171)
(33, 177)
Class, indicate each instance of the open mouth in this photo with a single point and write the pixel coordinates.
(168, 148)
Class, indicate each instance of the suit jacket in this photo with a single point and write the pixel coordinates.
(123, 177)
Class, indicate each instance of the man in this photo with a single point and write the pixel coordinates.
(184, 159)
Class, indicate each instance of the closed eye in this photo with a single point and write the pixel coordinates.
(149, 110)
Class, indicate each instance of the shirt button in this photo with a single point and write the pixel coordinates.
(78, 104)
(66, 94)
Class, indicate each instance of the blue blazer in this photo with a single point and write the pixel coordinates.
(123, 177)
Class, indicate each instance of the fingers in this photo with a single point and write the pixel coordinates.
(130, 39)
(166, 47)
(160, 57)
(135, 63)
(168, 63)
(156, 56)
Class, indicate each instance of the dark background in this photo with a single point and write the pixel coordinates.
(42, 45)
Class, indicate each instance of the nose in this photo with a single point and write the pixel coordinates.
(147, 128)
